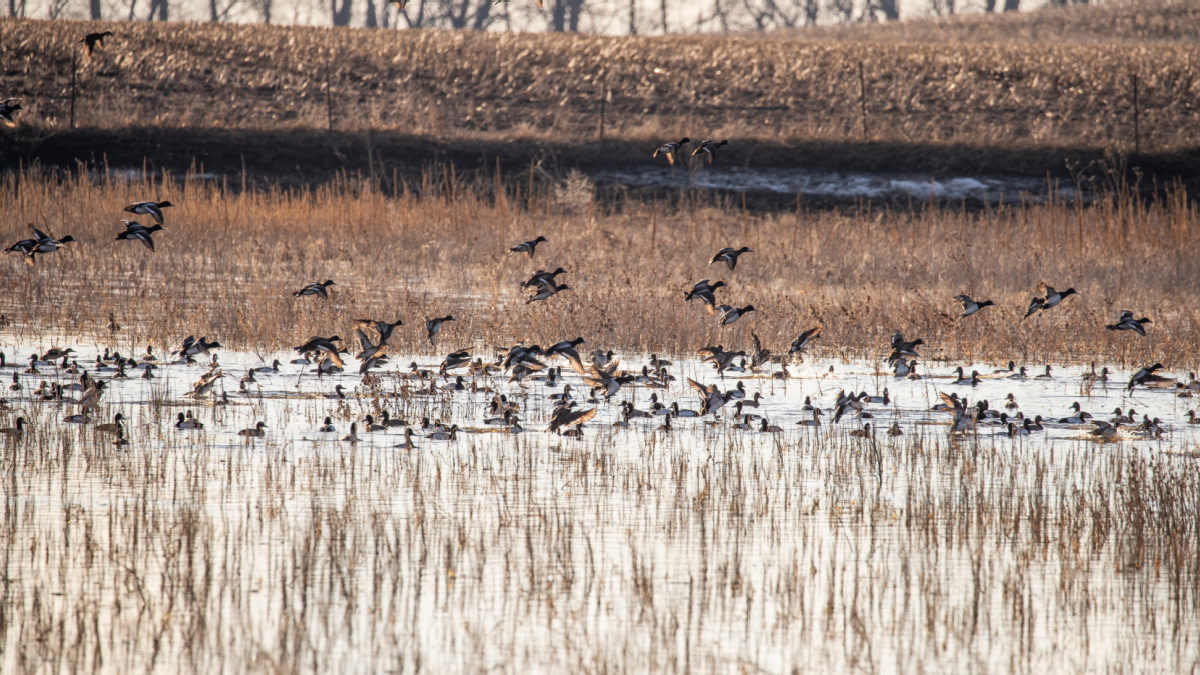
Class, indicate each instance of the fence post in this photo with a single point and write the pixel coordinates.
(74, 58)
(862, 98)
(1137, 131)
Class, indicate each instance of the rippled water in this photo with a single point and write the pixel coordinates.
(706, 548)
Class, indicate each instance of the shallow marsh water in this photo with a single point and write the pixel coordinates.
(699, 550)
(849, 185)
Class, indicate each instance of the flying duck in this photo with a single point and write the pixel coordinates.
(971, 306)
(729, 255)
(527, 247)
(135, 231)
(1127, 322)
(95, 41)
(709, 148)
(671, 149)
(315, 288)
(152, 209)
(434, 326)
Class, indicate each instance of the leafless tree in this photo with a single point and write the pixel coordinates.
(159, 9)
(843, 10)
(264, 8)
(16, 7)
(55, 8)
(564, 15)
(218, 11)
(94, 9)
(341, 15)
(1012, 5)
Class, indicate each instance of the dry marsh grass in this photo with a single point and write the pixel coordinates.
(449, 86)
(229, 260)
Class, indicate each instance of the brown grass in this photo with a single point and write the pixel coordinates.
(229, 260)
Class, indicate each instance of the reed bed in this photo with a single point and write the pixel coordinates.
(230, 258)
(461, 85)
(631, 550)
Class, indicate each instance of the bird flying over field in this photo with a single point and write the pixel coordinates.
(1049, 298)
(7, 107)
(671, 149)
(1127, 322)
(135, 231)
(971, 306)
(316, 288)
(729, 255)
(95, 41)
(152, 209)
(708, 149)
(527, 247)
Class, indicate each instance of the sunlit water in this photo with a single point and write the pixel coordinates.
(705, 548)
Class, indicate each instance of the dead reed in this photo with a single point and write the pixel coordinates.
(229, 260)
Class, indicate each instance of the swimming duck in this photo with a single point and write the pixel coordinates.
(676, 411)
(671, 149)
(864, 432)
(7, 107)
(444, 434)
(434, 326)
(709, 149)
(904, 368)
(188, 422)
(15, 432)
(1127, 322)
(257, 431)
(136, 232)
(352, 437)
(152, 209)
(95, 41)
(895, 430)
(320, 288)
(1021, 374)
(971, 306)
(327, 427)
(111, 427)
(527, 247)
(729, 255)
(735, 313)
(1105, 431)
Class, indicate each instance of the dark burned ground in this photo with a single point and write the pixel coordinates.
(306, 158)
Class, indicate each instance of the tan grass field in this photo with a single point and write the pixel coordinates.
(979, 90)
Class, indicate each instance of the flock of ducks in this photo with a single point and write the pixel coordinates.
(599, 377)
(599, 373)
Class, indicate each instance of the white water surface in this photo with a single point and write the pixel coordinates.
(701, 549)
